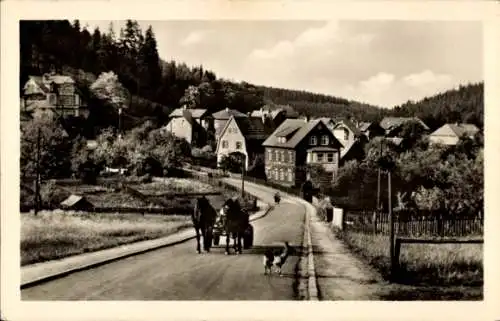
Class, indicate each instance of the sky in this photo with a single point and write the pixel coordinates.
(384, 63)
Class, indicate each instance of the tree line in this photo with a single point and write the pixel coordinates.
(464, 104)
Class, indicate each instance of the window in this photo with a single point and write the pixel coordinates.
(269, 154)
(312, 140)
(290, 156)
(276, 156)
(290, 178)
(275, 174)
(324, 140)
(238, 145)
(320, 157)
(330, 158)
(346, 134)
(225, 144)
(281, 174)
(282, 156)
(282, 140)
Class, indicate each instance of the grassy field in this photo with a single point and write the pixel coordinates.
(422, 264)
(52, 235)
(173, 185)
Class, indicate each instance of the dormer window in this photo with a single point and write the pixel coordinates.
(282, 140)
(324, 140)
(313, 140)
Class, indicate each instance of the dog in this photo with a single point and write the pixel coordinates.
(276, 259)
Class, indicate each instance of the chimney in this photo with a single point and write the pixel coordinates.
(227, 109)
(184, 107)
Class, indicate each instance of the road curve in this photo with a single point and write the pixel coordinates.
(178, 273)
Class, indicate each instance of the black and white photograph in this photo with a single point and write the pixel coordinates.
(334, 159)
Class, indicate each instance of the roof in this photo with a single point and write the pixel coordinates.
(392, 122)
(298, 130)
(252, 127)
(456, 130)
(42, 86)
(37, 104)
(363, 126)
(322, 149)
(225, 114)
(349, 124)
(72, 200)
(195, 113)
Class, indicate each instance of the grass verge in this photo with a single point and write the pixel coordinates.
(53, 235)
(422, 264)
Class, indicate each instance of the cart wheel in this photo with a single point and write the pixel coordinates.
(216, 239)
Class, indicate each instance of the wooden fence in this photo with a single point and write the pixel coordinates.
(424, 225)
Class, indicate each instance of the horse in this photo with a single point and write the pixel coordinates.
(203, 219)
(236, 223)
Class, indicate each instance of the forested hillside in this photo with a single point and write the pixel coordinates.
(320, 105)
(464, 104)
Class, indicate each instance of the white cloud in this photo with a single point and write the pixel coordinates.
(427, 78)
(195, 37)
(378, 83)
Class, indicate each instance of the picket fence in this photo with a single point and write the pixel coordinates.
(425, 224)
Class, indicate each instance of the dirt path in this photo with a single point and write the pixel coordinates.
(340, 275)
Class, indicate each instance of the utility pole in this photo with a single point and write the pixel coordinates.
(37, 179)
(120, 122)
(378, 179)
(243, 175)
(391, 222)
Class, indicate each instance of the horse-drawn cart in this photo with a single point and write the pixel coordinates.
(220, 229)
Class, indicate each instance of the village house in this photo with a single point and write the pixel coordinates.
(191, 124)
(391, 125)
(449, 134)
(370, 129)
(54, 95)
(221, 117)
(277, 113)
(295, 145)
(243, 135)
(346, 133)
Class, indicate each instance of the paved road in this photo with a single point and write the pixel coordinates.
(178, 273)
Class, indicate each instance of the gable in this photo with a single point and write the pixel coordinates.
(319, 130)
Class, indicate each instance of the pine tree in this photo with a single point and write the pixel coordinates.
(149, 64)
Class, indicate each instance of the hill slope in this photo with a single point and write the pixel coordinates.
(464, 104)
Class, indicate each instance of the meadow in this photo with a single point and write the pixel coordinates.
(56, 234)
(421, 264)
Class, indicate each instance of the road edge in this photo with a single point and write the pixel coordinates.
(56, 275)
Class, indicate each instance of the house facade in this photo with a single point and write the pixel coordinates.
(294, 146)
(54, 95)
(191, 124)
(221, 117)
(449, 134)
(346, 132)
(242, 135)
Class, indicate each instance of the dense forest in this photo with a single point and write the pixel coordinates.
(156, 86)
(464, 104)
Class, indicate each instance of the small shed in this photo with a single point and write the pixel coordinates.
(76, 202)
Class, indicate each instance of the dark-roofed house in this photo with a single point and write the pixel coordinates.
(190, 124)
(222, 117)
(53, 94)
(294, 145)
(392, 124)
(449, 134)
(370, 129)
(244, 135)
